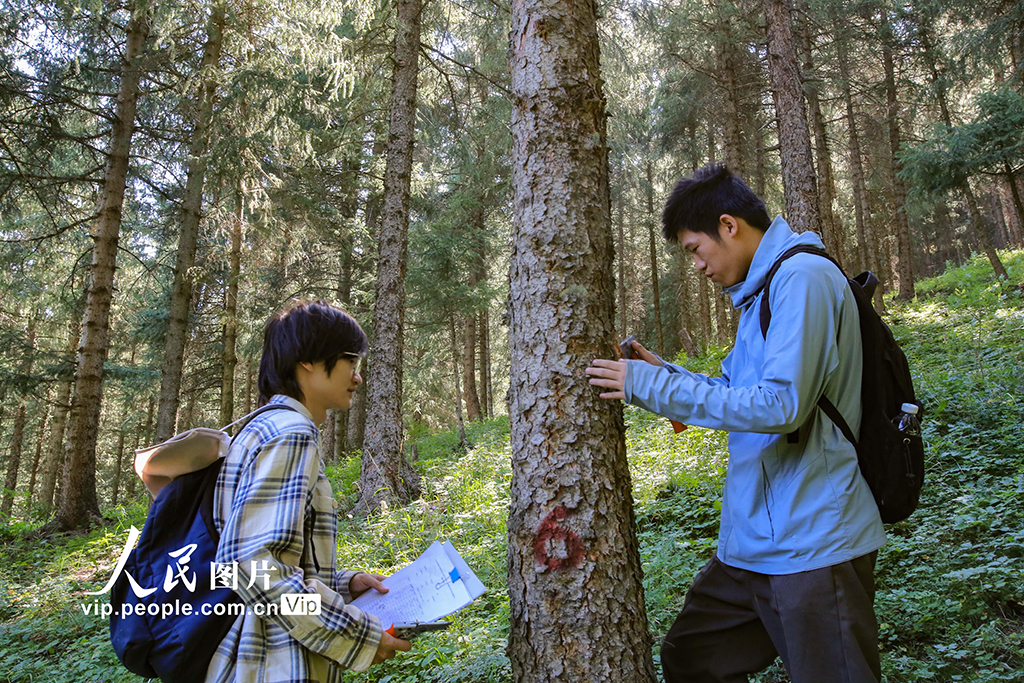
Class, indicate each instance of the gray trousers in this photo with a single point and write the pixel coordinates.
(735, 622)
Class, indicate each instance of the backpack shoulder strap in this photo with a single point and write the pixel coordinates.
(766, 317)
(766, 311)
(252, 416)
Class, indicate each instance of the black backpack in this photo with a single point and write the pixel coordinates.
(162, 641)
(892, 461)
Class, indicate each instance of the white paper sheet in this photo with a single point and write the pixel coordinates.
(437, 584)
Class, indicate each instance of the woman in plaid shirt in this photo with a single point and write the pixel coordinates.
(277, 515)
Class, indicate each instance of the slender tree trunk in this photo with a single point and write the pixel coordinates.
(386, 474)
(1016, 227)
(191, 206)
(831, 229)
(620, 252)
(456, 363)
(981, 232)
(229, 359)
(38, 459)
(865, 237)
(722, 324)
(78, 500)
(704, 309)
(652, 232)
(798, 181)
(685, 305)
(53, 462)
(78, 490)
(146, 433)
(728, 66)
(116, 485)
(977, 223)
(20, 418)
(357, 412)
(904, 248)
(473, 411)
(574, 577)
(760, 180)
(328, 435)
(486, 399)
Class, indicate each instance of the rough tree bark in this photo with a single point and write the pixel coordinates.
(191, 206)
(386, 474)
(78, 501)
(574, 576)
(798, 180)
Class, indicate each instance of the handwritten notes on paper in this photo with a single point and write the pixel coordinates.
(437, 584)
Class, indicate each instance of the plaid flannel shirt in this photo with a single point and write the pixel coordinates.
(276, 513)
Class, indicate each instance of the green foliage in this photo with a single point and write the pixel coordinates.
(950, 601)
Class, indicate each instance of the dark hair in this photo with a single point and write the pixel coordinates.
(696, 203)
(305, 332)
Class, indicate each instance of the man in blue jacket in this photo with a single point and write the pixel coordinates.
(794, 572)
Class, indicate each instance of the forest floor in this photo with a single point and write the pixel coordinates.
(950, 598)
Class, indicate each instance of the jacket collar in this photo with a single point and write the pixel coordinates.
(778, 238)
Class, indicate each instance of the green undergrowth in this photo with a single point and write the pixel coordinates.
(950, 600)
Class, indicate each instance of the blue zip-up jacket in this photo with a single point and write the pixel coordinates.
(787, 507)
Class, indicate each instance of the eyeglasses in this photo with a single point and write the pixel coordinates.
(356, 360)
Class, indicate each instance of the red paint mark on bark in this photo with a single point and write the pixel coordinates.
(553, 538)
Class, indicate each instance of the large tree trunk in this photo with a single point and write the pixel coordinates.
(191, 206)
(798, 181)
(229, 359)
(78, 491)
(904, 248)
(18, 434)
(386, 474)
(574, 576)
